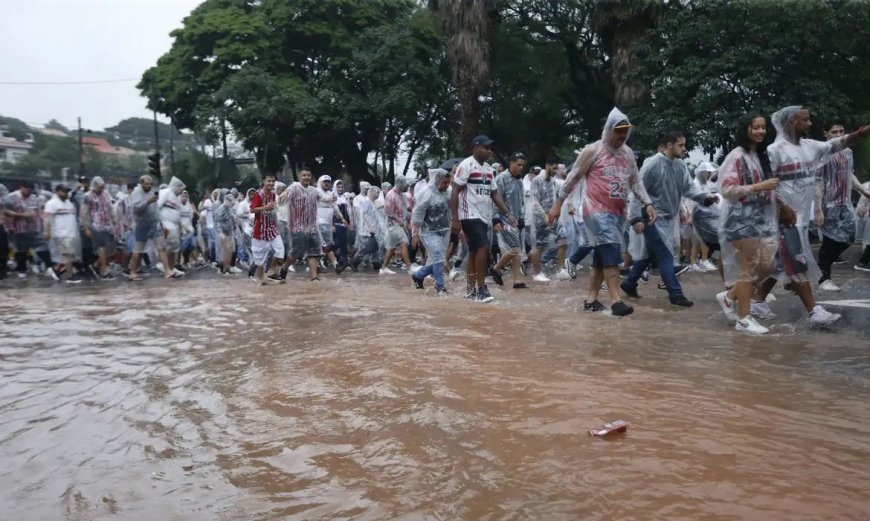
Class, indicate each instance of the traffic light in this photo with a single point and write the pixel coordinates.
(154, 164)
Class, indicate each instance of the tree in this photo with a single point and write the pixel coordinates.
(49, 154)
(14, 128)
(56, 125)
(468, 23)
(705, 71)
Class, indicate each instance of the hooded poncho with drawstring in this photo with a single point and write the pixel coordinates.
(705, 219)
(797, 162)
(609, 174)
(431, 217)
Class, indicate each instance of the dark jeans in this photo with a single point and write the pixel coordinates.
(828, 253)
(865, 258)
(656, 249)
(340, 239)
(579, 254)
(4, 251)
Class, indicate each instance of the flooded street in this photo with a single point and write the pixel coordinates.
(364, 399)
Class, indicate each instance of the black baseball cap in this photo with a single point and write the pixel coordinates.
(481, 140)
(517, 156)
(61, 188)
(83, 179)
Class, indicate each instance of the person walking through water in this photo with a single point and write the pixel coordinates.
(795, 161)
(474, 192)
(666, 180)
(609, 171)
(839, 225)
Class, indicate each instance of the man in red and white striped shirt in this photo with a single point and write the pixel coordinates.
(265, 237)
(302, 199)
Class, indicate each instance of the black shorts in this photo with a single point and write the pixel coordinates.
(712, 246)
(476, 234)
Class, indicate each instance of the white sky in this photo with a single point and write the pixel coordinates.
(81, 40)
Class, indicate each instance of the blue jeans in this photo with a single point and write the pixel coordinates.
(656, 249)
(211, 233)
(437, 272)
(580, 253)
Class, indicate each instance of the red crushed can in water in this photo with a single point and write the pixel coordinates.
(609, 428)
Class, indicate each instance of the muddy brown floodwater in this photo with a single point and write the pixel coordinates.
(363, 399)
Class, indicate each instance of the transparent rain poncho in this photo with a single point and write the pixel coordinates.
(836, 175)
(705, 219)
(748, 232)
(666, 181)
(797, 163)
(169, 204)
(610, 174)
(431, 216)
(544, 192)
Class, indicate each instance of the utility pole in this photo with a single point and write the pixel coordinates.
(156, 139)
(81, 151)
(171, 147)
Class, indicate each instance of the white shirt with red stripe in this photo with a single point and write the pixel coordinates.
(475, 202)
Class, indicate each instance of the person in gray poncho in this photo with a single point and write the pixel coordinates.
(430, 224)
(667, 181)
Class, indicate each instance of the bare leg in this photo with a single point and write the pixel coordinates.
(481, 258)
(742, 292)
(764, 289)
(595, 284)
(805, 293)
(535, 257)
(561, 253)
(388, 257)
(611, 274)
(403, 251)
(312, 267)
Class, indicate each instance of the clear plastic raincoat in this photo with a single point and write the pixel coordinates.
(705, 219)
(431, 216)
(797, 163)
(841, 222)
(863, 211)
(610, 174)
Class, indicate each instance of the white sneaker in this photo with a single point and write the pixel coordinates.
(562, 275)
(51, 273)
(454, 274)
(160, 267)
(540, 277)
(829, 285)
(709, 266)
(415, 268)
(761, 310)
(178, 273)
(821, 317)
(386, 271)
(697, 267)
(728, 306)
(291, 269)
(749, 325)
(235, 270)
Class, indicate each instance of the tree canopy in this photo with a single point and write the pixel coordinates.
(335, 84)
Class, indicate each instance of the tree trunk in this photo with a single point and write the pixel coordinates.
(411, 151)
(471, 114)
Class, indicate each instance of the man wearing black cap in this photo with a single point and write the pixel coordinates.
(474, 192)
(62, 232)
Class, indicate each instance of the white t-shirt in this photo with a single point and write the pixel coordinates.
(244, 215)
(63, 218)
(208, 210)
(475, 202)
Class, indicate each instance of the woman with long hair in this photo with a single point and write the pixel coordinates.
(748, 223)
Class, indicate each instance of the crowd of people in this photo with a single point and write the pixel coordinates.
(493, 222)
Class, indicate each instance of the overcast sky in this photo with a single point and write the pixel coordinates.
(81, 40)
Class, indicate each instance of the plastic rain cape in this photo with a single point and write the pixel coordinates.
(841, 222)
(797, 163)
(610, 174)
(745, 216)
(705, 219)
(432, 216)
(864, 222)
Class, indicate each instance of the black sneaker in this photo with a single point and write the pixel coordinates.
(340, 267)
(624, 272)
(862, 266)
(520, 285)
(621, 309)
(483, 295)
(418, 284)
(376, 266)
(572, 269)
(628, 290)
(593, 306)
(180, 268)
(354, 265)
(74, 279)
(526, 268)
(839, 260)
(496, 276)
(682, 301)
(471, 295)
(682, 268)
(283, 273)
(277, 278)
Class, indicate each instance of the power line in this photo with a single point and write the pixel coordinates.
(85, 82)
